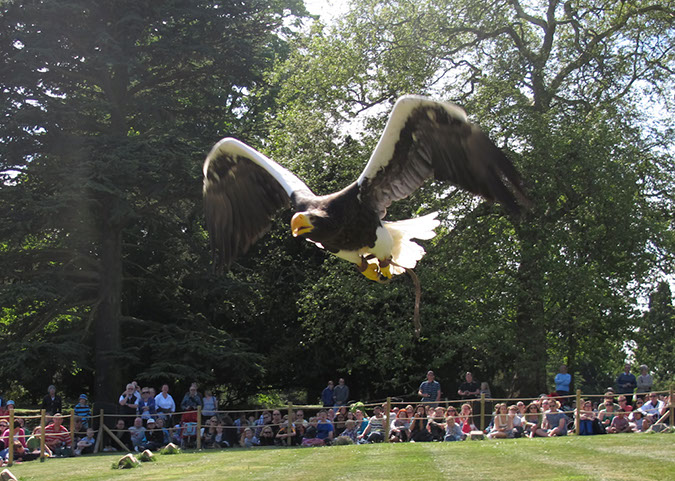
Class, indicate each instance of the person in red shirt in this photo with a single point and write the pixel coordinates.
(57, 437)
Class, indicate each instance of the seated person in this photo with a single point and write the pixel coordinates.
(437, 424)
(266, 436)
(137, 434)
(607, 412)
(154, 437)
(122, 433)
(623, 404)
(419, 432)
(503, 424)
(638, 421)
(399, 431)
(324, 428)
(374, 432)
(19, 434)
(166, 433)
(86, 444)
(516, 421)
(310, 438)
(532, 419)
(466, 418)
(285, 434)
(220, 437)
(453, 432)
(57, 437)
(586, 418)
(248, 439)
(620, 424)
(654, 408)
(554, 423)
(350, 431)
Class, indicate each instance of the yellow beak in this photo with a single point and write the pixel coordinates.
(300, 224)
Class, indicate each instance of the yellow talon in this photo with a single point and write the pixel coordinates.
(372, 272)
(385, 271)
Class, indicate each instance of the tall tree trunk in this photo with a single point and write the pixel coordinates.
(107, 317)
(530, 367)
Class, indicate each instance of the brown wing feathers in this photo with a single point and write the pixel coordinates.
(434, 143)
(239, 199)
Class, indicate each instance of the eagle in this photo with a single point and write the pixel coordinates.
(422, 139)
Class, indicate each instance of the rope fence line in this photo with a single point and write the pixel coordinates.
(291, 410)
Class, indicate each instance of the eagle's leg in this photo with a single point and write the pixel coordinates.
(369, 269)
(385, 270)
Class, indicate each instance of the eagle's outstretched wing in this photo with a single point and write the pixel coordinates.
(242, 190)
(423, 139)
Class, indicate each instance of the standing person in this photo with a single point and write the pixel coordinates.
(341, 393)
(128, 404)
(165, 405)
(644, 381)
(209, 404)
(328, 395)
(51, 402)
(626, 383)
(562, 381)
(82, 410)
(192, 400)
(469, 389)
(430, 390)
(146, 405)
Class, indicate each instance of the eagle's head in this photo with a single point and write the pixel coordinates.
(311, 224)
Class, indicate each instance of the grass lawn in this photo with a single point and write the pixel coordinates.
(611, 457)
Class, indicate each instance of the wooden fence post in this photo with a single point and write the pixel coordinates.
(482, 411)
(672, 406)
(387, 422)
(199, 427)
(72, 429)
(99, 438)
(10, 440)
(42, 435)
(291, 423)
(578, 413)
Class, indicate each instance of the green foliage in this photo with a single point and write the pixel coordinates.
(507, 298)
(655, 337)
(108, 109)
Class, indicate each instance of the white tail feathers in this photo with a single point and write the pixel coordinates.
(405, 253)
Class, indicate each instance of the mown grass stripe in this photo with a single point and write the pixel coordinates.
(596, 458)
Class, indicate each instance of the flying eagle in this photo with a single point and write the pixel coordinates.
(423, 138)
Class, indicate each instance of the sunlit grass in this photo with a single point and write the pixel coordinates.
(610, 457)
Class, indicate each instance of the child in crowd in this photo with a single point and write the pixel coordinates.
(86, 444)
(350, 430)
(310, 438)
(83, 411)
(248, 439)
(620, 424)
(452, 430)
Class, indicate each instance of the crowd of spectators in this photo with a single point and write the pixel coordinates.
(151, 420)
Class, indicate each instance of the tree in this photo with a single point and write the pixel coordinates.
(108, 108)
(655, 336)
(558, 86)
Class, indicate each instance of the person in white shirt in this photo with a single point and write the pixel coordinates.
(654, 408)
(165, 405)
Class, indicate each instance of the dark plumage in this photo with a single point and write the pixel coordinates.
(422, 139)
